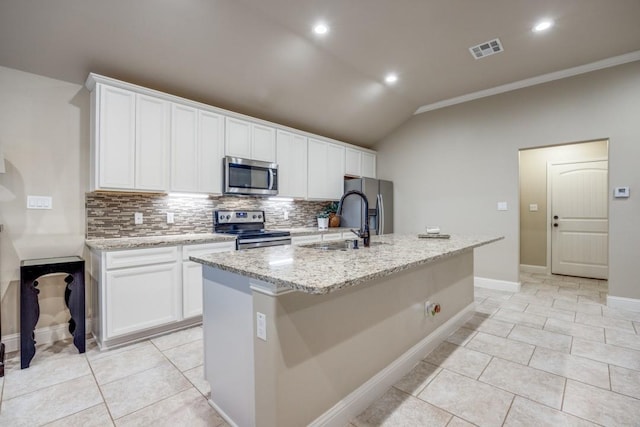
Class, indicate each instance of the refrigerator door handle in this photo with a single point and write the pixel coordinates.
(380, 214)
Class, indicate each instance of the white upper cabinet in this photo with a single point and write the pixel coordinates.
(130, 140)
(250, 140)
(211, 152)
(113, 141)
(196, 150)
(325, 170)
(152, 143)
(145, 140)
(360, 163)
(291, 156)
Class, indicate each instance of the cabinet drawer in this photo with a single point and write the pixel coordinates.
(207, 248)
(301, 240)
(139, 257)
(332, 236)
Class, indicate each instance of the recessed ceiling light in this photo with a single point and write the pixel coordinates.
(320, 28)
(391, 78)
(542, 26)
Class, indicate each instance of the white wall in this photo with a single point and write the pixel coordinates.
(451, 166)
(44, 131)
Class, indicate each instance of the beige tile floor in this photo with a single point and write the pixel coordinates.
(550, 355)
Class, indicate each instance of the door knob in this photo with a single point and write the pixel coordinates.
(555, 224)
(555, 217)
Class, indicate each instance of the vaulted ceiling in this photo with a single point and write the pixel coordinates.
(260, 57)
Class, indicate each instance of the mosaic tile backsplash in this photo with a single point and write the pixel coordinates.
(110, 215)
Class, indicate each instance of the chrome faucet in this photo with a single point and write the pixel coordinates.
(363, 233)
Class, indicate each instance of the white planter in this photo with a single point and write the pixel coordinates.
(323, 223)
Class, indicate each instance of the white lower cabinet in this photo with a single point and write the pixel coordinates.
(192, 275)
(142, 292)
(139, 298)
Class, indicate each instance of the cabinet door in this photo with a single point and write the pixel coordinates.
(317, 169)
(192, 276)
(291, 156)
(263, 143)
(116, 138)
(211, 145)
(191, 289)
(139, 298)
(237, 138)
(184, 148)
(368, 169)
(352, 162)
(152, 143)
(335, 171)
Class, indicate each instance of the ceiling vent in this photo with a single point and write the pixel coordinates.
(486, 49)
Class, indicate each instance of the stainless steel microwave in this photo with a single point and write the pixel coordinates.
(244, 176)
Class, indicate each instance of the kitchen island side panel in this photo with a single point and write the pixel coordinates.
(228, 344)
(320, 348)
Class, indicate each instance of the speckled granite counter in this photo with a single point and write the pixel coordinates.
(317, 271)
(188, 239)
(154, 241)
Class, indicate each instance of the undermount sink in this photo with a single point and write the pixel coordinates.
(339, 245)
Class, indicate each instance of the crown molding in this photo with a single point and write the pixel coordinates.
(544, 78)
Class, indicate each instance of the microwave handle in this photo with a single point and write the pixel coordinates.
(270, 179)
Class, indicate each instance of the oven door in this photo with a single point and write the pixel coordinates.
(262, 242)
(244, 176)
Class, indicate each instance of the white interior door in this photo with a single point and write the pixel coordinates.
(579, 219)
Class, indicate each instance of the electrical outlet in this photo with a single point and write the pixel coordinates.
(137, 218)
(261, 326)
(286, 214)
(170, 218)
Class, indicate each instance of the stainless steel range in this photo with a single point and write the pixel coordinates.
(248, 226)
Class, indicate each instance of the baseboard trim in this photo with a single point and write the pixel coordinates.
(222, 414)
(629, 304)
(47, 335)
(496, 285)
(358, 400)
(540, 269)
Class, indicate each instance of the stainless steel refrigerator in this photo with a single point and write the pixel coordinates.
(380, 196)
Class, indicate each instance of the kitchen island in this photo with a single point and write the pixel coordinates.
(298, 335)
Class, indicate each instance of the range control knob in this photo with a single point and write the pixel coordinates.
(259, 216)
(228, 216)
(254, 217)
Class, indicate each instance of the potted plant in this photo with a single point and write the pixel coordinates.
(323, 220)
(332, 208)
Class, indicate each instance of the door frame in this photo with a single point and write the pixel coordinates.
(549, 210)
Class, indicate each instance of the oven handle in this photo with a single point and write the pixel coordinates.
(245, 244)
(265, 239)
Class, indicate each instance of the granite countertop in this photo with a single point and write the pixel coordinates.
(155, 241)
(188, 239)
(317, 271)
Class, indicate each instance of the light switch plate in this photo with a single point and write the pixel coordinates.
(39, 202)
(533, 207)
(502, 206)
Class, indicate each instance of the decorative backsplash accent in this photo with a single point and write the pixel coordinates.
(110, 215)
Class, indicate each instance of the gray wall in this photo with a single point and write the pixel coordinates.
(451, 166)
